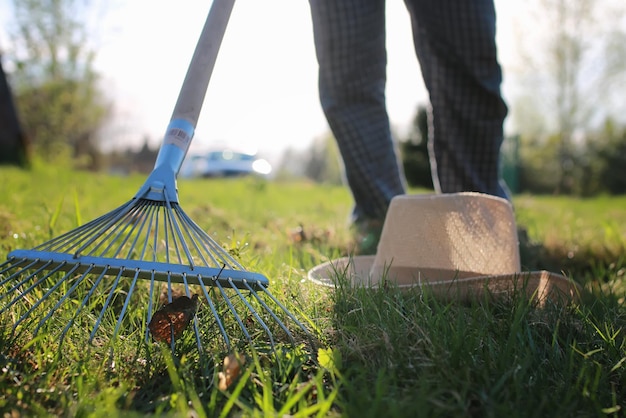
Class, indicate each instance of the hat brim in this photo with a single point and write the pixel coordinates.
(447, 284)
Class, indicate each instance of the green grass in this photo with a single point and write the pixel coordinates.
(380, 352)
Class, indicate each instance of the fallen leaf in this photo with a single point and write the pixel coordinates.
(230, 370)
(297, 235)
(329, 359)
(173, 318)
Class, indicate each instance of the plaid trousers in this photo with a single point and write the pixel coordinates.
(455, 45)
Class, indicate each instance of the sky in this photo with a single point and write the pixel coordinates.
(263, 92)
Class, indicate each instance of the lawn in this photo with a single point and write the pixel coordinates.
(375, 353)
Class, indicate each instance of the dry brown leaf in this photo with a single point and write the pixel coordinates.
(230, 370)
(297, 235)
(173, 318)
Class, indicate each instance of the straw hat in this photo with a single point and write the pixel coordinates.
(459, 245)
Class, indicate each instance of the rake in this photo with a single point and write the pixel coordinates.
(148, 238)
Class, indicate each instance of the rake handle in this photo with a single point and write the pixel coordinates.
(161, 184)
(196, 81)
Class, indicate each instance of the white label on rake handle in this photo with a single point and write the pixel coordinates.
(178, 137)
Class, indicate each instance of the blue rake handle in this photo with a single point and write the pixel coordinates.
(161, 184)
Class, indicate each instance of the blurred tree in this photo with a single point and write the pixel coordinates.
(613, 156)
(323, 162)
(290, 165)
(571, 78)
(414, 152)
(13, 142)
(539, 171)
(598, 162)
(56, 86)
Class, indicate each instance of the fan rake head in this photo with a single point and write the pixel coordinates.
(88, 280)
(80, 278)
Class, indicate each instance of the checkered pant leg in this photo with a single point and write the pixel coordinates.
(350, 44)
(455, 44)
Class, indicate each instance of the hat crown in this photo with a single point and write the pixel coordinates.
(470, 233)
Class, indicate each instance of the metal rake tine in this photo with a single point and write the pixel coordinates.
(168, 230)
(120, 230)
(155, 235)
(232, 309)
(106, 305)
(82, 305)
(176, 228)
(149, 311)
(84, 232)
(170, 300)
(200, 238)
(269, 310)
(58, 243)
(163, 224)
(4, 269)
(131, 218)
(62, 300)
(27, 278)
(17, 273)
(109, 229)
(152, 229)
(215, 313)
(142, 223)
(284, 309)
(253, 311)
(126, 302)
(11, 265)
(146, 242)
(33, 286)
(46, 295)
(169, 289)
(190, 233)
(73, 239)
(195, 319)
(215, 248)
(196, 331)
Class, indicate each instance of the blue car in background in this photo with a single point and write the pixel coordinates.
(224, 163)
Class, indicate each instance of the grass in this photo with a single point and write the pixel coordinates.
(380, 352)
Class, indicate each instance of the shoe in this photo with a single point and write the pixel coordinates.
(366, 234)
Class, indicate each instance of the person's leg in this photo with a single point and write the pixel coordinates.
(350, 45)
(455, 44)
